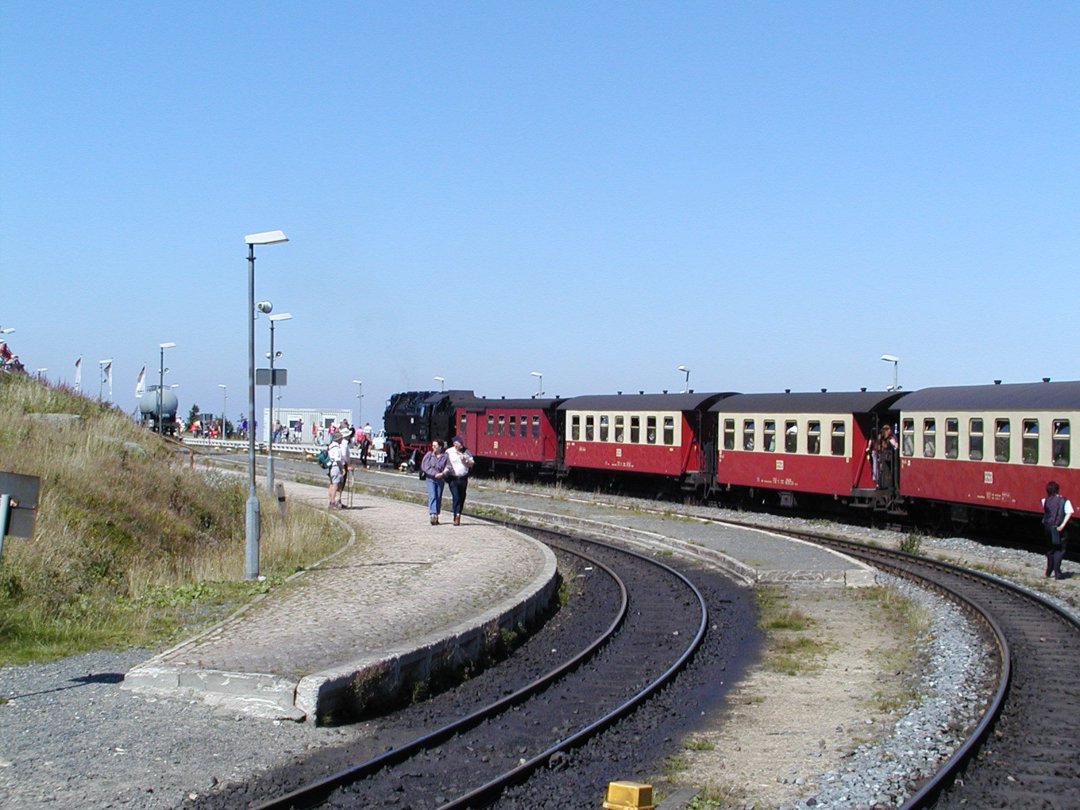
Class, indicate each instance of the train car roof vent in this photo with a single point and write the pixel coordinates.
(823, 390)
(1046, 379)
(863, 389)
(787, 390)
(619, 393)
(665, 390)
(997, 382)
(641, 392)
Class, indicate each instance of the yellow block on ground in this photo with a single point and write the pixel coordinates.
(628, 796)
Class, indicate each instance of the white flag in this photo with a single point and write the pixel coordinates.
(140, 384)
(78, 373)
(106, 370)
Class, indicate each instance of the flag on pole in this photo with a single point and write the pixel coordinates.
(78, 373)
(140, 383)
(106, 371)
(5, 352)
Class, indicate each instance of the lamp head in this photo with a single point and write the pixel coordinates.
(265, 307)
(266, 238)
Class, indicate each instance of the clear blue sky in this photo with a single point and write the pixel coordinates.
(772, 194)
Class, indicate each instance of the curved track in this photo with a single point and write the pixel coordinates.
(469, 761)
(1025, 751)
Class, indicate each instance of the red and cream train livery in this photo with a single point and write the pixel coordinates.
(964, 452)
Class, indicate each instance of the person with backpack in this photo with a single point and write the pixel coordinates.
(338, 455)
(1057, 511)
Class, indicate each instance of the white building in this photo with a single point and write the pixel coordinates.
(301, 420)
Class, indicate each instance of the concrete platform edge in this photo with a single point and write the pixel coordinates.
(323, 695)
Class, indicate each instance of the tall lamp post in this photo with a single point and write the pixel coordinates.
(284, 316)
(224, 406)
(251, 521)
(441, 381)
(161, 384)
(540, 376)
(359, 402)
(686, 371)
(892, 358)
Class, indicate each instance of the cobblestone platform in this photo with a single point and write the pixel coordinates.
(402, 597)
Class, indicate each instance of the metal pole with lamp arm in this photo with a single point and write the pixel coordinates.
(224, 407)
(251, 521)
(161, 385)
(284, 316)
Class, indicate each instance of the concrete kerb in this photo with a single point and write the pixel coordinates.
(855, 574)
(257, 694)
(350, 689)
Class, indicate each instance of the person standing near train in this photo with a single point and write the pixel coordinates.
(433, 466)
(460, 464)
(1057, 511)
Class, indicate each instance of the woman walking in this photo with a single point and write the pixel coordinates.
(433, 466)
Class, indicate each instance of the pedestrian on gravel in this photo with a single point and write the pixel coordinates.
(433, 467)
(460, 464)
(339, 469)
(1057, 511)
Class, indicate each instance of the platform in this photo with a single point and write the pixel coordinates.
(402, 598)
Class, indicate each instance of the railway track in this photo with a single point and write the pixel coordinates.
(468, 761)
(1024, 752)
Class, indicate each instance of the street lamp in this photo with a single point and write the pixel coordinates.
(251, 522)
(284, 316)
(540, 375)
(685, 371)
(892, 358)
(440, 381)
(359, 402)
(161, 383)
(224, 406)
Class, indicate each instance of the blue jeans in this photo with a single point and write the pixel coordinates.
(457, 493)
(434, 495)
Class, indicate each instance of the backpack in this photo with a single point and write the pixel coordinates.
(323, 459)
(1053, 511)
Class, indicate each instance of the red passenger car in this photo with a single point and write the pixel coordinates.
(662, 440)
(774, 447)
(511, 436)
(969, 449)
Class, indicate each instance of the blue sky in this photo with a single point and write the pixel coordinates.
(772, 194)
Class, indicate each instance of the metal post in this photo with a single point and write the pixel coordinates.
(161, 384)
(5, 512)
(270, 427)
(251, 522)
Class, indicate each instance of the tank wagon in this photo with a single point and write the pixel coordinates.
(965, 454)
(148, 410)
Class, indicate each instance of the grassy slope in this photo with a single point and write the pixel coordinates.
(132, 546)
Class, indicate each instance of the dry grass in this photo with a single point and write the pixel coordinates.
(131, 544)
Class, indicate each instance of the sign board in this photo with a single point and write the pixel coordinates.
(262, 376)
(23, 491)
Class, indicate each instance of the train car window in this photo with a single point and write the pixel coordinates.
(729, 434)
(748, 434)
(1001, 439)
(491, 424)
(575, 428)
(502, 424)
(975, 439)
(619, 433)
(1029, 445)
(907, 437)
(791, 437)
(635, 430)
(952, 437)
(650, 430)
(463, 425)
(590, 422)
(605, 427)
(813, 438)
(669, 430)
(769, 435)
(1059, 448)
(929, 438)
(536, 426)
(513, 425)
(839, 439)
